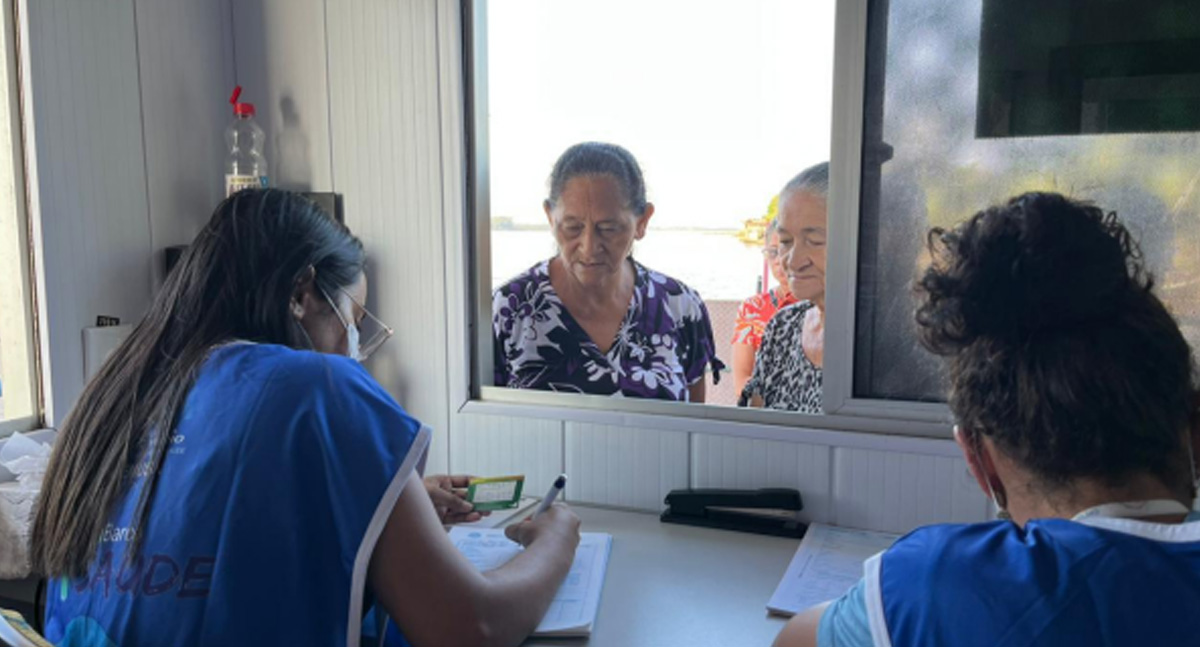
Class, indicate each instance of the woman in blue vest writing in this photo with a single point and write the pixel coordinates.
(1074, 394)
(234, 477)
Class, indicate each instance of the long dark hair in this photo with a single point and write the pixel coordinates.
(1058, 348)
(234, 282)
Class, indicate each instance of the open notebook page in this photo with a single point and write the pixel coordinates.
(828, 563)
(577, 601)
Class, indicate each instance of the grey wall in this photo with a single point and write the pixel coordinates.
(125, 109)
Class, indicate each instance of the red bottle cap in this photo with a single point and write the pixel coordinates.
(240, 109)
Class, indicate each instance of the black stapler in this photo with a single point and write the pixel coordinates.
(769, 511)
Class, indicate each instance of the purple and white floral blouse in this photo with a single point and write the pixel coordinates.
(664, 344)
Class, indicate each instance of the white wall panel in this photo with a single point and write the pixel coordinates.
(730, 462)
(497, 446)
(185, 54)
(386, 140)
(897, 492)
(619, 466)
(281, 56)
(453, 180)
(91, 176)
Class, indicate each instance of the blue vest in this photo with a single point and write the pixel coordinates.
(281, 474)
(1057, 583)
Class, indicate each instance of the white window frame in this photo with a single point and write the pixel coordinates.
(14, 37)
(843, 411)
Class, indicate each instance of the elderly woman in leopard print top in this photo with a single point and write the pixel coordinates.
(787, 369)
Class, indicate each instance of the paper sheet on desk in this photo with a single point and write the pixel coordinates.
(577, 601)
(828, 562)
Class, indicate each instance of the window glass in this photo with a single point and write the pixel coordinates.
(18, 386)
(972, 101)
(721, 103)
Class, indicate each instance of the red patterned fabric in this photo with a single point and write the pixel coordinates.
(755, 312)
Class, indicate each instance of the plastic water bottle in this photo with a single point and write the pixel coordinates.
(245, 165)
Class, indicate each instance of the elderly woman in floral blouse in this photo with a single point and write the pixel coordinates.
(591, 319)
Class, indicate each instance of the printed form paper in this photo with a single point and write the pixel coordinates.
(578, 599)
(828, 563)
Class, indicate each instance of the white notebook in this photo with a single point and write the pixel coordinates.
(574, 609)
(828, 563)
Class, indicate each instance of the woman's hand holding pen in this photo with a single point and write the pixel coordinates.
(558, 521)
(564, 521)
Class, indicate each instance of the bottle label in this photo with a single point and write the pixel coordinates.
(235, 183)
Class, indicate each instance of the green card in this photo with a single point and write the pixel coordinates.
(495, 493)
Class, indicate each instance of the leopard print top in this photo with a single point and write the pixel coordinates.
(783, 375)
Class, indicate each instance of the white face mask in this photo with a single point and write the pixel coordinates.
(352, 342)
(352, 345)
